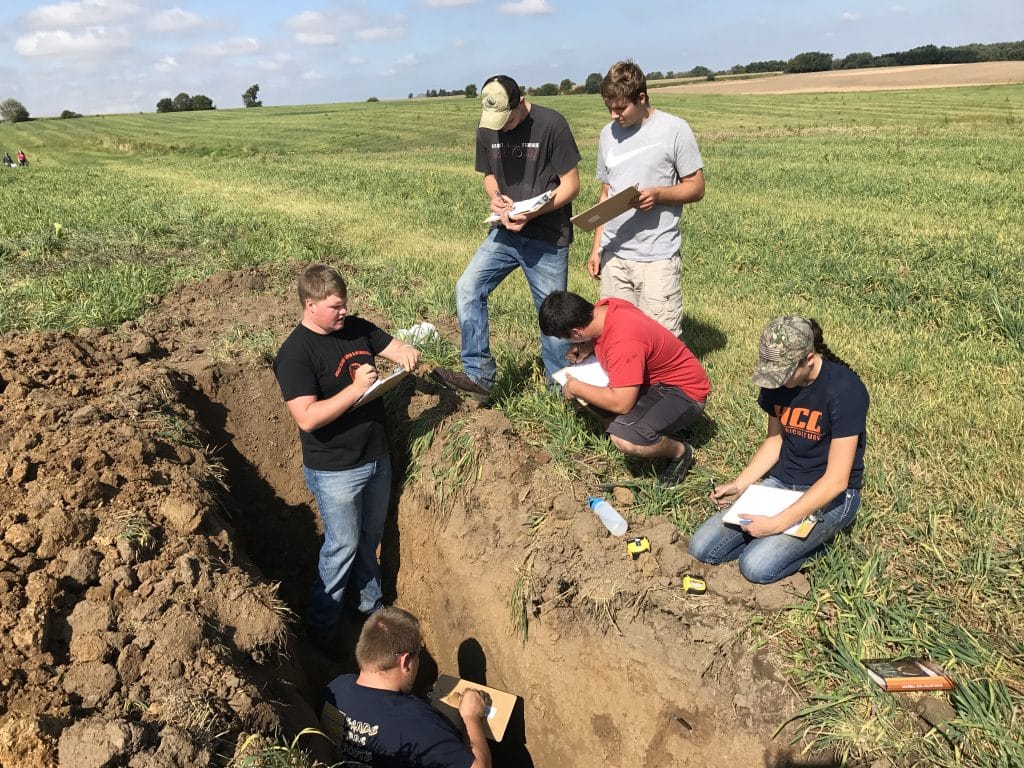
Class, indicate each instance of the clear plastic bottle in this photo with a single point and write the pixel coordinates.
(606, 513)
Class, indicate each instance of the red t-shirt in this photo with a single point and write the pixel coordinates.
(636, 350)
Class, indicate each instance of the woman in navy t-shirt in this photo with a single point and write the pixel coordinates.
(817, 410)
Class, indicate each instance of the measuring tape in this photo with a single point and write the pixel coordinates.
(638, 545)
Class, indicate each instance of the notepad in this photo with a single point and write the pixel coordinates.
(767, 501)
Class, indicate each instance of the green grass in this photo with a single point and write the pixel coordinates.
(892, 217)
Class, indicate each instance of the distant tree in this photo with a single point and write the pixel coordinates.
(13, 111)
(165, 105)
(410, 95)
(199, 101)
(470, 91)
(593, 83)
(856, 60)
(810, 61)
(565, 86)
(373, 98)
(699, 72)
(655, 75)
(182, 102)
(249, 97)
(772, 65)
(548, 89)
(67, 114)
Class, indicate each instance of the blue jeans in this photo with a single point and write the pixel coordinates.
(546, 268)
(770, 558)
(353, 506)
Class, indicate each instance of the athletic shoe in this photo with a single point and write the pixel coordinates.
(675, 471)
(461, 383)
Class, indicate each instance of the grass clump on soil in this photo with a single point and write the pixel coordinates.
(259, 751)
(892, 217)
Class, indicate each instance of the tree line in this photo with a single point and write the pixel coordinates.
(809, 61)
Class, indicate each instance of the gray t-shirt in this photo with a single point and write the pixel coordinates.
(659, 152)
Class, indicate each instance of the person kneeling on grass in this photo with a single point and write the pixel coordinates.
(656, 387)
(817, 411)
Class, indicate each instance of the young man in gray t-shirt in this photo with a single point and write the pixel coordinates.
(636, 254)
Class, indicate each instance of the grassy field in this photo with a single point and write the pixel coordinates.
(892, 217)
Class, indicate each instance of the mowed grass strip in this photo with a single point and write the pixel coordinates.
(892, 217)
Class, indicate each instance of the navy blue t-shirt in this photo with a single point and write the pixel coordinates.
(319, 364)
(388, 729)
(834, 405)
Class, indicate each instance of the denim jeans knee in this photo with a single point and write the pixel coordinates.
(546, 269)
(768, 559)
(353, 506)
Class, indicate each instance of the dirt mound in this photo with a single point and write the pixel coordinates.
(151, 499)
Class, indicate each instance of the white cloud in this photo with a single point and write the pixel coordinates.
(527, 8)
(381, 33)
(174, 20)
(316, 38)
(898, 9)
(355, 61)
(307, 20)
(81, 14)
(448, 3)
(459, 44)
(312, 75)
(849, 16)
(408, 60)
(232, 47)
(166, 64)
(278, 62)
(92, 41)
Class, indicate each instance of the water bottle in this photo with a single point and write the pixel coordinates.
(606, 513)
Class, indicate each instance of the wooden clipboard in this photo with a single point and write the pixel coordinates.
(604, 212)
(445, 698)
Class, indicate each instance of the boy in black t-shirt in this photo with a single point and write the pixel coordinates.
(523, 150)
(323, 368)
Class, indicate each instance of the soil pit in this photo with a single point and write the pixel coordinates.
(158, 541)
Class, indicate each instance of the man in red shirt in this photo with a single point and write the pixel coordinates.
(656, 386)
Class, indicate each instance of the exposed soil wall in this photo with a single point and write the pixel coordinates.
(156, 532)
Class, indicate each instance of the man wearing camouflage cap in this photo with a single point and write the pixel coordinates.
(522, 150)
(817, 412)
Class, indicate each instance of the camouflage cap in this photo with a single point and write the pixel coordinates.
(784, 343)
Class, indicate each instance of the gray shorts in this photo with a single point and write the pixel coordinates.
(659, 411)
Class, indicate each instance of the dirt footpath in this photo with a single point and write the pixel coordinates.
(873, 79)
(156, 539)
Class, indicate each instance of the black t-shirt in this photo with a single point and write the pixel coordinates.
(529, 160)
(388, 729)
(311, 363)
(834, 405)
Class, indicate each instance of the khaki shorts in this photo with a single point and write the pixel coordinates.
(652, 286)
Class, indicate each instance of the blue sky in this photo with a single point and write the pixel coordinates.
(109, 56)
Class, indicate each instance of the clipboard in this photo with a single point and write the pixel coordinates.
(381, 387)
(445, 699)
(604, 212)
(767, 501)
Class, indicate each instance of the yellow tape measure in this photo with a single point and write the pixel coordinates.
(637, 546)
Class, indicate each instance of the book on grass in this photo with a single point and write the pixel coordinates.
(524, 206)
(765, 501)
(605, 211)
(381, 387)
(910, 674)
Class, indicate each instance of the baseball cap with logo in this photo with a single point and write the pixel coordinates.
(500, 95)
(784, 343)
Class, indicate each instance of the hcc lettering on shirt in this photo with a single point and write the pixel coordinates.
(801, 422)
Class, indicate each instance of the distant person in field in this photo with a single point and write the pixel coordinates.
(817, 410)
(22, 160)
(379, 723)
(656, 387)
(323, 368)
(7, 160)
(636, 254)
(522, 150)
